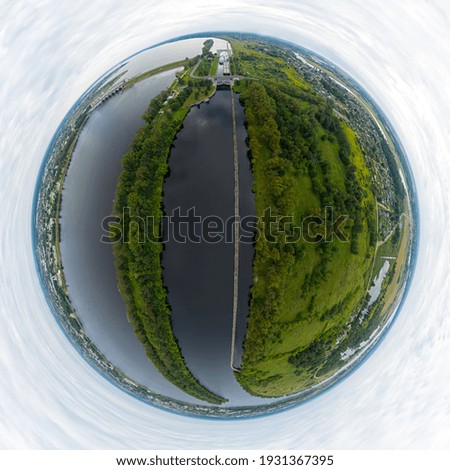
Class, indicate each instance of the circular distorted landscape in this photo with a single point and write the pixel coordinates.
(224, 225)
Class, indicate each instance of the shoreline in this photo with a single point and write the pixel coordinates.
(105, 370)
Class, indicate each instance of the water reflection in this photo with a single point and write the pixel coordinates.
(199, 276)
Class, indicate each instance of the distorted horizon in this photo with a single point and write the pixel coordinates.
(52, 52)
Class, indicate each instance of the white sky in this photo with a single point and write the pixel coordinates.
(52, 50)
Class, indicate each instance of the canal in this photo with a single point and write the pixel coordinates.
(199, 276)
(199, 252)
(88, 264)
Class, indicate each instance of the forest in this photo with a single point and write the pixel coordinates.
(138, 259)
(304, 159)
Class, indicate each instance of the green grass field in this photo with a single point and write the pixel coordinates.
(305, 292)
(215, 66)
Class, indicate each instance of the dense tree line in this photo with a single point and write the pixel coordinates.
(297, 141)
(283, 143)
(283, 124)
(273, 260)
(309, 358)
(204, 67)
(138, 260)
(207, 45)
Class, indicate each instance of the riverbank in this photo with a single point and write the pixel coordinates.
(138, 263)
(44, 233)
(308, 295)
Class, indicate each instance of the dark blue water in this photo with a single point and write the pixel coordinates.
(87, 198)
(199, 272)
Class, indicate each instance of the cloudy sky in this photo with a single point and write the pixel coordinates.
(52, 50)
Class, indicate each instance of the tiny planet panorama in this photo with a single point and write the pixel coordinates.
(224, 225)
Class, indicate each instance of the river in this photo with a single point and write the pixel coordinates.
(88, 264)
(199, 272)
(87, 199)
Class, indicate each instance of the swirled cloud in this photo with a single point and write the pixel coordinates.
(51, 51)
